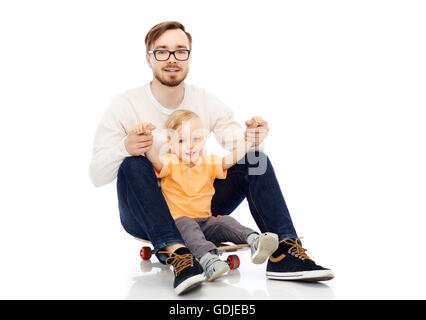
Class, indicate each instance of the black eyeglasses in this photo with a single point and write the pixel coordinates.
(164, 55)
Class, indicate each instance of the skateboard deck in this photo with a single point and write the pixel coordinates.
(232, 260)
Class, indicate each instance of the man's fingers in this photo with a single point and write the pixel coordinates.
(143, 137)
(259, 134)
(142, 150)
(136, 130)
(263, 124)
(256, 130)
(257, 119)
(256, 135)
(256, 122)
(144, 128)
(143, 144)
(138, 141)
(260, 123)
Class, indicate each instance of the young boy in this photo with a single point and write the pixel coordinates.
(187, 184)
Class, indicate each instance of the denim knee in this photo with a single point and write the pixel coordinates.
(138, 167)
(135, 162)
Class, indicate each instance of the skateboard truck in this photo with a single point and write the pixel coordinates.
(232, 260)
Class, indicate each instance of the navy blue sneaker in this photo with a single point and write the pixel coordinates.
(290, 262)
(188, 272)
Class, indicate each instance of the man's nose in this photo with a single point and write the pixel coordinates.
(172, 58)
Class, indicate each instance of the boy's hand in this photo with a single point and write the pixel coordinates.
(257, 130)
(144, 128)
(140, 139)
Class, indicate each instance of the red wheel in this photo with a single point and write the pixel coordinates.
(233, 261)
(146, 253)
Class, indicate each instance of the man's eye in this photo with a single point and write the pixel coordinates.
(161, 52)
(180, 140)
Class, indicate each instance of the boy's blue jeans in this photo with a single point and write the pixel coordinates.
(144, 212)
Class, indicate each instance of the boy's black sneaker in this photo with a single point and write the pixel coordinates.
(290, 262)
(188, 272)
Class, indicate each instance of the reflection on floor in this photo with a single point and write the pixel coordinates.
(247, 282)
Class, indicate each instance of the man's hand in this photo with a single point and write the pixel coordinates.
(257, 130)
(140, 139)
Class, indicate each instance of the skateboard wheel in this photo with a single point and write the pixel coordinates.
(146, 253)
(233, 261)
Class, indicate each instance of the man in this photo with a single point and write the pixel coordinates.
(118, 152)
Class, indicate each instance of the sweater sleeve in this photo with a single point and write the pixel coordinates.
(108, 146)
(225, 128)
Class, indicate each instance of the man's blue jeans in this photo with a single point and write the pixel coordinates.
(144, 212)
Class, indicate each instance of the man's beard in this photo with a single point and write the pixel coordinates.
(172, 82)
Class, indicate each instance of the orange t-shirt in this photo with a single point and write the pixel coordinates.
(189, 191)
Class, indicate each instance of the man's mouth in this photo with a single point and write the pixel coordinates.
(171, 70)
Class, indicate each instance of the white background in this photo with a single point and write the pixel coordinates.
(341, 83)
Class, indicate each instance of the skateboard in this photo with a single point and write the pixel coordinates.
(232, 260)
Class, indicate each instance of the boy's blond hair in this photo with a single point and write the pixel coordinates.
(175, 120)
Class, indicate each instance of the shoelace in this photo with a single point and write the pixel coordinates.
(296, 249)
(179, 262)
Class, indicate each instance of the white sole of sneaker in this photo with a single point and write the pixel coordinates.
(219, 272)
(268, 244)
(190, 284)
(314, 275)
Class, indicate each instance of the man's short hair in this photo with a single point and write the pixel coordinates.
(157, 30)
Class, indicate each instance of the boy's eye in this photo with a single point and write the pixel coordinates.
(180, 140)
(196, 138)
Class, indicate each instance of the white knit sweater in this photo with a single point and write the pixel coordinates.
(139, 105)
